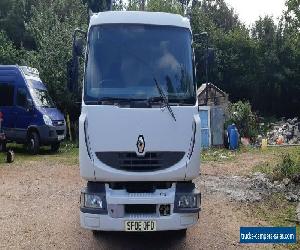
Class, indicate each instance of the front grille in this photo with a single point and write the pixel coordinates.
(60, 132)
(58, 123)
(130, 161)
(140, 208)
(140, 187)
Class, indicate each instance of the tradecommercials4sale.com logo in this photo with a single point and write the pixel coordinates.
(274, 235)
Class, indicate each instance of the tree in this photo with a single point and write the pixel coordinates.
(292, 14)
(98, 5)
(8, 53)
(52, 26)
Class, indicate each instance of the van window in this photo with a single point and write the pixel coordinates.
(42, 98)
(6, 95)
(21, 97)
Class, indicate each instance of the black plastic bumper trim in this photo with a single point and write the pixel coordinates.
(186, 188)
(99, 189)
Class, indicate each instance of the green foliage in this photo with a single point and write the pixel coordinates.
(52, 26)
(241, 115)
(8, 53)
(218, 155)
(171, 6)
(13, 16)
(286, 168)
(67, 154)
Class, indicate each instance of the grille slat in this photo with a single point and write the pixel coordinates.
(58, 123)
(130, 161)
(60, 132)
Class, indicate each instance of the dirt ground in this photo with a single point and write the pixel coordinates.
(40, 210)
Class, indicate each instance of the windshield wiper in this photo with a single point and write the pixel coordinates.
(165, 99)
(114, 99)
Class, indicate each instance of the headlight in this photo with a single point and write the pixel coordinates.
(47, 120)
(188, 201)
(92, 201)
(187, 198)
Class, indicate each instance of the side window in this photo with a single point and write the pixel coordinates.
(6, 95)
(21, 97)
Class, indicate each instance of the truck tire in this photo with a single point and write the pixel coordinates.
(33, 144)
(96, 233)
(55, 147)
(181, 233)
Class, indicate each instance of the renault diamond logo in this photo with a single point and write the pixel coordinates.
(140, 144)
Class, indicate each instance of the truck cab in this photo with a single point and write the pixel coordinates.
(29, 114)
(139, 128)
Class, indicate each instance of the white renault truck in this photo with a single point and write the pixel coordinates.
(139, 128)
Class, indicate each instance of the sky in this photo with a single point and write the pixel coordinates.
(250, 10)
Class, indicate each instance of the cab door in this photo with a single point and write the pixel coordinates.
(23, 114)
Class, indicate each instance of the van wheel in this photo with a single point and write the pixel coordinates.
(10, 156)
(33, 143)
(55, 147)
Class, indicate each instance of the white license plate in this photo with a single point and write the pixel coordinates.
(140, 226)
(60, 137)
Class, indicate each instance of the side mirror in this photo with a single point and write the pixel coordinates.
(73, 64)
(30, 105)
(78, 46)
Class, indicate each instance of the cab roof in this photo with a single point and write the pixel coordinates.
(139, 17)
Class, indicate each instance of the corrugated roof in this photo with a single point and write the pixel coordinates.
(202, 88)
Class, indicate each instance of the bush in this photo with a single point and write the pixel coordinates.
(286, 168)
(240, 113)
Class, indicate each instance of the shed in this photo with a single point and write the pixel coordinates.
(213, 103)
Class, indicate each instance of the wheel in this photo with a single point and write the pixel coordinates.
(10, 156)
(96, 233)
(33, 143)
(55, 147)
(181, 233)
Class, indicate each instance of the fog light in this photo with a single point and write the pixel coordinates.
(165, 210)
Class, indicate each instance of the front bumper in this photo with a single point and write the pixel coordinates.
(114, 214)
(102, 222)
(52, 134)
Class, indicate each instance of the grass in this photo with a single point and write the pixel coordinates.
(285, 163)
(67, 154)
(276, 211)
(223, 154)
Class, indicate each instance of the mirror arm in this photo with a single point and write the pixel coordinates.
(82, 32)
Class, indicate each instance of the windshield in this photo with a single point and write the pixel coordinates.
(126, 60)
(41, 98)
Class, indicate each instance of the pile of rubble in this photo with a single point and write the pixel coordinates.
(252, 188)
(285, 132)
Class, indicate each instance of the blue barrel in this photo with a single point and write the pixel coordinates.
(233, 137)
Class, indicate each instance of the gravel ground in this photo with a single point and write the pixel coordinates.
(40, 210)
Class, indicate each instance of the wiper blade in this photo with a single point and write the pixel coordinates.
(114, 99)
(165, 99)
